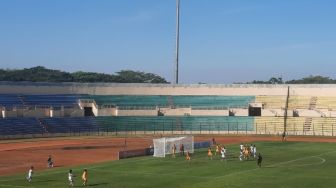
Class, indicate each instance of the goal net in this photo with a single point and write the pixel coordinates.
(163, 146)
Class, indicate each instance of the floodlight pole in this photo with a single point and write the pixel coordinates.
(177, 39)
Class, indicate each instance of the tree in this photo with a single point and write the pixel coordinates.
(42, 74)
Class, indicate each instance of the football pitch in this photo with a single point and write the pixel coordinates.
(289, 164)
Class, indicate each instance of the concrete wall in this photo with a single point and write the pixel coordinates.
(166, 89)
(107, 112)
(77, 113)
(58, 113)
(137, 113)
(209, 112)
(44, 112)
(239, 111)
(308, 113)
(10, 114)
(268, 112)
(176, 111)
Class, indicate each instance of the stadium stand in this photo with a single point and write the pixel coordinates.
(20, 126)
(173, 101)
(177, 123)
(55, 101)
(68, 125)
(10, 100)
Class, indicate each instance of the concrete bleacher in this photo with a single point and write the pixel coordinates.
(173, 101)
(72, 124)
(9, 101)
(324, 126)
(20, 126)
(55, 101)
(326, 103)
(275, 125)
(177, 123)
(299, 102)
(15, 100)
(271, 102)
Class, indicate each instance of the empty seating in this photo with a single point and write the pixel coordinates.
(51, 100)
(72, 124)
(177, 123)
(20, 126)
(10, 100)
(175, 101)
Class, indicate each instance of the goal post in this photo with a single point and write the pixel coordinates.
(163, 146)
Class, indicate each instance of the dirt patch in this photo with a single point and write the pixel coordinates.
(18, 156)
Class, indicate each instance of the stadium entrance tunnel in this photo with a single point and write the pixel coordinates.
(254, 109)
(88, 111)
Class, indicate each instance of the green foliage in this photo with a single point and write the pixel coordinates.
(41, 74)
(313, 80)
(306, 80)
(289, 164)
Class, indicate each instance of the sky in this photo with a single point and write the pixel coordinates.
(221, 41)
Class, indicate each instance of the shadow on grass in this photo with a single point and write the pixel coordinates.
(96, 184)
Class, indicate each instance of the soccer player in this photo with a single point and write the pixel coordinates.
(241, 155)
(30, 174)
(241, 146)
(259, 160)
(213, 141)
(209, 153)
(222, 153)
(284, 136)
(50, 162)
(182, 149)
(85, 177)
(188, 158)
(174, 150)
(254, 151)
(71, 178)
(217, 149)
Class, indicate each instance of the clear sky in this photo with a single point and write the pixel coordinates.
(222, 41)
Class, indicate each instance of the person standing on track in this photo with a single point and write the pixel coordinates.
(284, 136)
(50, 162)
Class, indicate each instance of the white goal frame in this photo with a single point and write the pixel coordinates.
(163, 146)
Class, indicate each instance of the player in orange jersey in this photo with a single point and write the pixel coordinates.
(209, 153)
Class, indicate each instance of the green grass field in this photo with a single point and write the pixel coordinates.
(291, 164)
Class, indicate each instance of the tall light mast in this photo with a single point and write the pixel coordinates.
(177, 40)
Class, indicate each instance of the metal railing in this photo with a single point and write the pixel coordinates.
(225, 128)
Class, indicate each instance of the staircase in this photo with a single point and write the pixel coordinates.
(307, 124)
(178, 124)
(21, 98)
(312, 103)
(171, 102)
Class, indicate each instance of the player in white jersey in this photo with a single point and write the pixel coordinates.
(71, 178)
(222, 153)
(241, 146)
(251, 150)
(30, 174)
(254, 151)
(241, 155)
